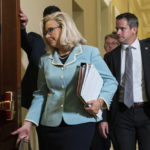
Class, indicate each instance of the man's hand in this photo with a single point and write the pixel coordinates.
(23, 19)
(104, 129)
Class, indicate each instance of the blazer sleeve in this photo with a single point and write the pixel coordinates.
(40, 96)
(110, 84)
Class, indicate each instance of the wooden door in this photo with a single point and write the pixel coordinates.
(10, 76)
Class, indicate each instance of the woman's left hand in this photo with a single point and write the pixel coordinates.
(94, 106)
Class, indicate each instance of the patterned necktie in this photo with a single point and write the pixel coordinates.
(128, 88)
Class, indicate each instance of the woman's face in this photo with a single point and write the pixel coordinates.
(52, 33)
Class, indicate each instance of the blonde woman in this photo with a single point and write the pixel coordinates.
(64, 123)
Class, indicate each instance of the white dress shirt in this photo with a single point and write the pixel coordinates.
(139, 94)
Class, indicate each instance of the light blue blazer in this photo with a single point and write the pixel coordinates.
(56, 97)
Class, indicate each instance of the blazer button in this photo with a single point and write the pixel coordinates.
(61, 76)
(61, 105)
(62, 86)
(50, 94)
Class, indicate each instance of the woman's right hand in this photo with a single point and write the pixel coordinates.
(23, 132)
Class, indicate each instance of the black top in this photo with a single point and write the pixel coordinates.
(64, 58)
(33, 44)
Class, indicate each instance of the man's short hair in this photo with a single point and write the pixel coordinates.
(131, 19)
(50, 9)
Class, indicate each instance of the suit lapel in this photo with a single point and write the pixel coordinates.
(117, 63)
(145, 54)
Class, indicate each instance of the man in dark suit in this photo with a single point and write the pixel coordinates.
(33, 44)
(101, 138)
(129, 115)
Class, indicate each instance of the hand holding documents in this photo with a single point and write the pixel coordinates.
(89, 84)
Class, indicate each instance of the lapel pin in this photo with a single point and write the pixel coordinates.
(146, 48)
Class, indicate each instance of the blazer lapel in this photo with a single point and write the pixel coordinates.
(55, 59)
(73, 56)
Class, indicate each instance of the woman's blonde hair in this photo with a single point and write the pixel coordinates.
(70, 36)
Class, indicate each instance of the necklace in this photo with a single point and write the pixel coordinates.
(64, 56)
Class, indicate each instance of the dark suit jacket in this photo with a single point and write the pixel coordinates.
(113, 60)
(147, 40)
(34, 47)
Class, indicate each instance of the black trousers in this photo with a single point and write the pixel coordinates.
(98, 142)
(66, 137)
(113, 139)
(133, 125)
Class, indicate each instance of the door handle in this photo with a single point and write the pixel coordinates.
(8, 105)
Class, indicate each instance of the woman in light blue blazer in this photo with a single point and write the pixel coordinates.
(64, 122)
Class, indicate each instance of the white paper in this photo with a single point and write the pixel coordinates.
(92, 85)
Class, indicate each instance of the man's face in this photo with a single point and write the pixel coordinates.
(110, 44)
(126, 34)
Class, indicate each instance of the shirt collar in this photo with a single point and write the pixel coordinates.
(135, 45)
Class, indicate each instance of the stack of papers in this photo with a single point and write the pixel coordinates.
(89, 84)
